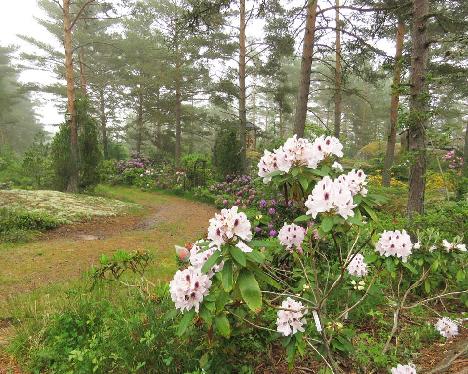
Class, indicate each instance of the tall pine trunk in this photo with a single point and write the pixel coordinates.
(418, 108)
(73, 180)
(391, 140)
(465, 153)
(102, 109)
(306, 65)
(242, 88)
(337, 124)
(139, 122)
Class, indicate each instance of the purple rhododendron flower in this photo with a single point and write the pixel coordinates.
(225, 202)
(273, 233)
(258, 230)
(263, 203)
(271, 211)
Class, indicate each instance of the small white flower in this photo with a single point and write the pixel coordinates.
(357, 266)
(228, 225)
(403, 369)
(394, 243)
(291, 236)
(188, 288)
(417, 245)
(461, 247)
(446, 327)
(337, 166)
(290, 319)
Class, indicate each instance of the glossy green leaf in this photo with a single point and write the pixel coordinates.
(250, 290)
(222, 326)
(211, 261)
(238, 255)
(227, 276)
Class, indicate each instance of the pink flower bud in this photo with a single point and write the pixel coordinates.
(182, 253)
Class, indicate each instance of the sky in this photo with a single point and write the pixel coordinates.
(17, 17)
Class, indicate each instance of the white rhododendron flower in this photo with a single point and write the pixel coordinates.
(326, 146)
(291, 236)
(243, 247)
(199, 255)
(417, 245)
(229, 225)
(337, 166)
(450, 246)
(299, 152)
(357, 266)
(446, 327)
(404, 369)
(394, 243)
(267, 165)
(188, 288)
(330, 196)
(290, 319)
(356, 181)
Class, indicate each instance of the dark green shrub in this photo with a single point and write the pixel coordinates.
(37, 162)
(197, 169)
(226, 152)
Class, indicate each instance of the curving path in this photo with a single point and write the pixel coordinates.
(65, 253)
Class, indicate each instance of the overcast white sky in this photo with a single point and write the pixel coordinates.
(16, 17)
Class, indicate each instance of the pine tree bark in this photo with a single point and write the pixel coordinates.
(242, 88)
(102, 109)
(139, 122)
(178, 113)
(391, 140)
(338, 78)
(72, 185)
(418, 108)
(306, 65)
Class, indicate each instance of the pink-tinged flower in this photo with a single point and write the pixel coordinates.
(330, 196)
(357, 266)
(188, 288)
(243, 247)
(229, 225)
(403, 369)
(394, 243)
(446, 327)
(290, 319)
(199, 255)
(326, 146)
(267, 165)
(182, 253)
(356, 181)
(291, 236)
(225, 202)
(298, 152)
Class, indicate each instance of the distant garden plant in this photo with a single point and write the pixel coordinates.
(338, 267)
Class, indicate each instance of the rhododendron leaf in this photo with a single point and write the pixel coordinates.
(221, 301)
(303, 218)
(371, 258)
(410, 267)
(304, 181)
(238, 255)
(460, 275)
(205, 314)
(263, 243)
(291, 353)
(185, 322)
(327, 224)
(250, 291)
(435, 265)
(295, 171)
(227, 277)
(371, 213)
(275, 173)
(256, 256)
(427, 286)
(222, 325)
(266, 279)
(321, 172)
(211, 261)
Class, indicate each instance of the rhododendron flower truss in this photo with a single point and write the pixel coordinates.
(290, 318)
(330, 195)
(188, 288)
(404, 369)
(446, 327)
(394, 243)
(451, 246)
(298, 152)
(291, 236)
(199, 255)
(228, 226)
(357, 266)
(356, 182)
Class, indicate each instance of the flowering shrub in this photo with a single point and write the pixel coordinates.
(337, 264)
